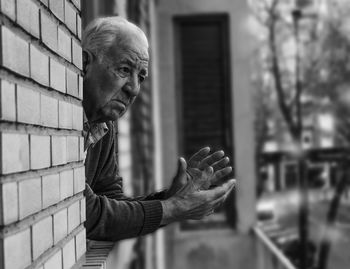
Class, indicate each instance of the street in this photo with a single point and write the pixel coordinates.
(284, 226)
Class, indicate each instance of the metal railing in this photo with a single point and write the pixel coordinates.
(268, 255)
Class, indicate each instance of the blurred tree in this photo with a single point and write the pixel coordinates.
(324, 62)
(262, 103)
(307, 55)
(278, 61)
(329, 79)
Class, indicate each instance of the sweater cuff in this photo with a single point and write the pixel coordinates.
(153, 212)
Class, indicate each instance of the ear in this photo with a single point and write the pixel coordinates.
(87, 60)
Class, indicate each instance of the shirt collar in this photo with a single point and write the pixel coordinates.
(93, 132)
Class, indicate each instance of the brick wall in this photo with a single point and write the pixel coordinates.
(42, 208)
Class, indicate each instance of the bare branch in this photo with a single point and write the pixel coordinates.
(276, 71)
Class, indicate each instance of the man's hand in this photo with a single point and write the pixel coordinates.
(201, 160)
(193, 200)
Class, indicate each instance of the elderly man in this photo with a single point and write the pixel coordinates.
(115, 54)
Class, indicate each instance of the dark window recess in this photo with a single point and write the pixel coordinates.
(203, 84)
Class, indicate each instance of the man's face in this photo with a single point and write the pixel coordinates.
(112, 83)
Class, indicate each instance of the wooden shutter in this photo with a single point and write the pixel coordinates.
(204, 99)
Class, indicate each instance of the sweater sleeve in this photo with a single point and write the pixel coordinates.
(112, 220)
(111, 216)
(160, 195)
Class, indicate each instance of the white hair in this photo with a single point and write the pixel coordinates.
(101, 33)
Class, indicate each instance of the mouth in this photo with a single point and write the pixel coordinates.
(120, 105)
(120, 102)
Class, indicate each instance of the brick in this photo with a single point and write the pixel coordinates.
(8, 7)
(78, 26)
(79, 179)
(42, 236)
(82, 210)
(8, 203)
(7, 101)
(64, 44)
(65, 119)
(70, 17)
(81, 149)
(49, 111)
(80, 244)
(17, 250)
(72, 83)
(77, 54)
(66, 184)
(57, 8)
(28, 16)
(73, 216)
(39, 151)
(39, 66)
(55, 261)
(14, 152)
(48, 31)
(60, 225)
(51, 189)
(77, 117)
(58, 150)
(28, 105)
(69, 254)
(72, 148)
(57, 76)
(29, 197)
(15, 52)
(81, 82)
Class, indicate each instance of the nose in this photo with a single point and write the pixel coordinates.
(132, 86)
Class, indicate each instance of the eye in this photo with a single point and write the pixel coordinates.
(124, 70)
(142, 78)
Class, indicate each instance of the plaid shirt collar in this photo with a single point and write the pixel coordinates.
(93, 132)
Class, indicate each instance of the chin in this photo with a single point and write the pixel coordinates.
(110, 114)
(114, 116)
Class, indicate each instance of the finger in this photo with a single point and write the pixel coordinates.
(221, 163)
(211, 159)
(181, 171)
(201, 179)
(220, 175)
(198, 157)
(217, 192)
(194, 173)
(210, 212)
(218, 202)
(209, 171)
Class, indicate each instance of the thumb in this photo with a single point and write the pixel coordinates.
(181, 171)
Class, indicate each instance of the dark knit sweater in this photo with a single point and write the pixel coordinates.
(110, 216)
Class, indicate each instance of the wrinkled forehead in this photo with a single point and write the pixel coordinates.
(132, 45)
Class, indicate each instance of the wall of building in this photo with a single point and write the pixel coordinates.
(180, 245)
(42, 208)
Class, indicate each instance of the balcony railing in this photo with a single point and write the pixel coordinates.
(268, 255)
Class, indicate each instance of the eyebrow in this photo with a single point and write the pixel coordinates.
(134, 65)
